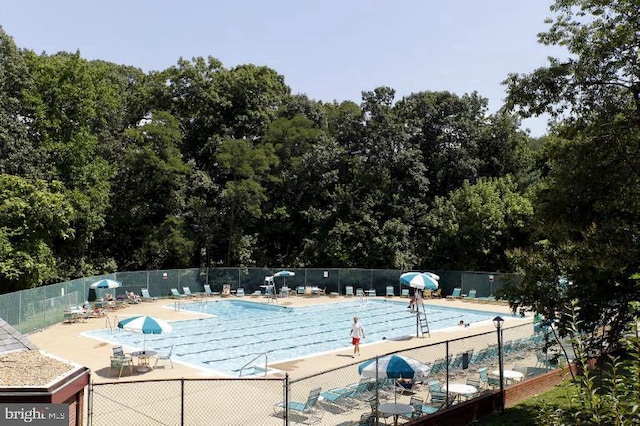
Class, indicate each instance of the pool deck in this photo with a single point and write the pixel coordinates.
(65, 340)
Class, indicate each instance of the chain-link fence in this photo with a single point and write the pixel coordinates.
(34, 309)
(446, 373)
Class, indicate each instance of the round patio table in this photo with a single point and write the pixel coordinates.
(143, 360)
(395, 409)
(460, 389)
(509, 375)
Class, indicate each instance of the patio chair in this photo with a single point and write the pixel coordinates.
(405, 292)
(472, 294)
(307, 409)
(348, 291)
(146, 296)
(373, 402)
(456, 294)
(389, 291)
(119, 364)
(300, 290)
(437, 294)
(164, 357)
(359, 292)
(240, 292)
(175, 294)
(256, 293)
(416, 402)
(118, 352)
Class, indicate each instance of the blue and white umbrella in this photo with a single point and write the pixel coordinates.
(420, 280)
(145, 324)
(106, 284)
(394, 367)
(284, 274)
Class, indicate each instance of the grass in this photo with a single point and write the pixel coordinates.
(528, 412)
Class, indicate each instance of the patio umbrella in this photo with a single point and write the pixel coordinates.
(284, 274)
(420, 280)
(145, 324)
(106, 284)
(394, 367)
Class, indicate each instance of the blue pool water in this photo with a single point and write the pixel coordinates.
(238, 331)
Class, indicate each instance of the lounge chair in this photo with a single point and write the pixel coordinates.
(359, 292)
(405, 292)
(389, 291)
(176, 294)
(285, 291)
(436, 294)
(300, 290)
(256, 293)
(208, 292)
(146, 296)
(165, 357)
(119, 364)
(240, 292)
(472, 294)
(348, 291)
(187, 292)
(226, 290)
(456, 294)
(307, 409)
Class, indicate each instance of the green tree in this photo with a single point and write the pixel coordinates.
(587, 204)
(33, 214)
(240, 203)
(476, 224)
(146, 227)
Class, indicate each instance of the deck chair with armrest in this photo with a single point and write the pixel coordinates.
(405, 292)
(120, 364)
(359, 292)
(164, 356)
(389, 291)
(348, 291)
(176, 294)
(240, 292)
(309, 409)
(436, 294)
(146, 297)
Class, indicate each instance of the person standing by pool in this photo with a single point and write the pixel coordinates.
(357, 332)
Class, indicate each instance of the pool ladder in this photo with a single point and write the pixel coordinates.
(421, 322)
(252, 360)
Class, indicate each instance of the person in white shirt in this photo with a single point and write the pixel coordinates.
(357, 332)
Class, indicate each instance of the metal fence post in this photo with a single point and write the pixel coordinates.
(446, 354)
(285, 417)
(182, 402)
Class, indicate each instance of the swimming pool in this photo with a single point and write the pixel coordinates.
(238, 331)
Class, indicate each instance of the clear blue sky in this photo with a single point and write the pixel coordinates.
(328, 49)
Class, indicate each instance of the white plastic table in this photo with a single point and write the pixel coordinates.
(509, 374)
(395, 409)
(460, 389)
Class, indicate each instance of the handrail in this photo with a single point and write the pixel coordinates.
(253, 359)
